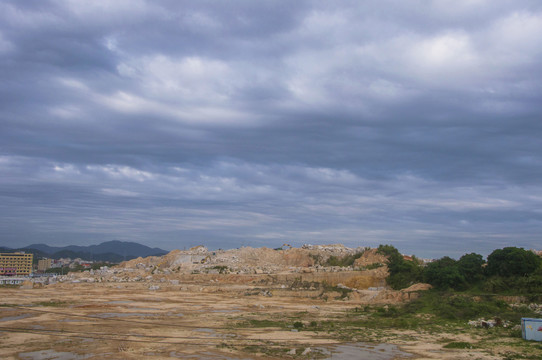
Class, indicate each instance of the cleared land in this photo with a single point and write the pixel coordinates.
(291, 313)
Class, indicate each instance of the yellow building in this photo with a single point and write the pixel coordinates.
(16, 263)
(44, 264)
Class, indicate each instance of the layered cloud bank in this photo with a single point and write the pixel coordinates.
(254, 123)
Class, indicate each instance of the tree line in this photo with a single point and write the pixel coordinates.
(508, 270)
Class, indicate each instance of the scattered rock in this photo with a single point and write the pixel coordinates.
(483, 323)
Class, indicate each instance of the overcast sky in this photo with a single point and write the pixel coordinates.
(237, 123)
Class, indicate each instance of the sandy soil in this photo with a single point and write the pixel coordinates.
(200, 321)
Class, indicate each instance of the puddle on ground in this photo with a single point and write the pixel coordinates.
(18, 317)
(364, 351)
(52, 355)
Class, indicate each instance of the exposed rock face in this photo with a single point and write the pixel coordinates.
(244, 260)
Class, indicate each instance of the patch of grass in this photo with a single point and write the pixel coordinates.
(298, 283)
(459, 345)
(347, 260)
(460, 306)
(373, 266)
(342, 291)
(255, 323)
(514, 356)
(317, 258)
(222, 269)
(298, 325)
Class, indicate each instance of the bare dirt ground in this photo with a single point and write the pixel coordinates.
(241, 304)
(200, 321)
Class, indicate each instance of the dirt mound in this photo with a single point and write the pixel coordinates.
(401, 296)
(370, 257)
(249, 256)
(418, 287)
(139, 262)
(297, 257)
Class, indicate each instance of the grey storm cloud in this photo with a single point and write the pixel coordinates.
(175, 123)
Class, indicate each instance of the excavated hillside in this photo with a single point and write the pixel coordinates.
(313, 271)
(282, 266)
(248, 260)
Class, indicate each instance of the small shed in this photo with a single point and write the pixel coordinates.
(531, 329)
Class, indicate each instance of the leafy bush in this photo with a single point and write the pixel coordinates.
(530, 286)
(347, 260)
(403, 273)
(299, 283)
(374, 266)
(452, 306)
(342, 290)
(388, 250)
(459, 345)
(317, 258)
(222, 269)
(298, 325)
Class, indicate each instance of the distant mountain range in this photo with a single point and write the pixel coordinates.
(113, 251)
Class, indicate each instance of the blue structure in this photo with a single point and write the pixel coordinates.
(531, 329)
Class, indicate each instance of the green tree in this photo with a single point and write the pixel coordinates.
(444, 273)
(471, 267)
(402, 273)
(512, 261)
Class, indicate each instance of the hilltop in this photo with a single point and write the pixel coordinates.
(113, 251)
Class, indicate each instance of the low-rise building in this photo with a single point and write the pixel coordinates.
(44, 264)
